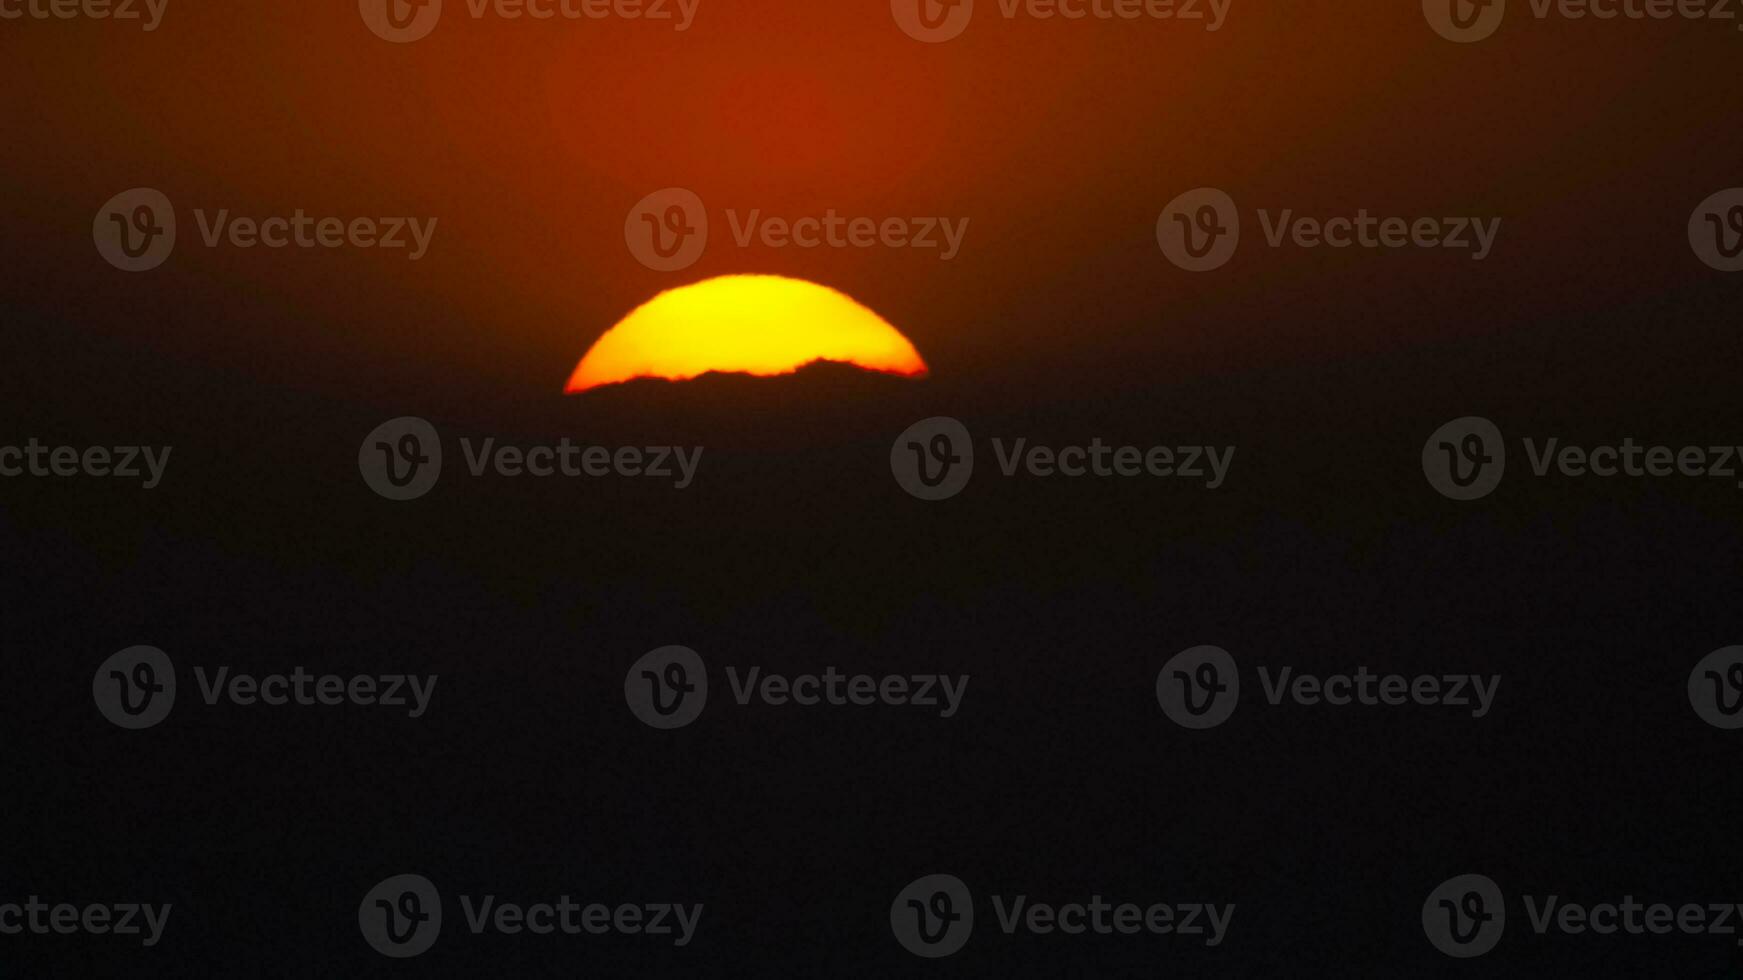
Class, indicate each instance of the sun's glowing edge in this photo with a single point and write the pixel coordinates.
(756, 325)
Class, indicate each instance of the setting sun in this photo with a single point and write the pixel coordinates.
(760, 325)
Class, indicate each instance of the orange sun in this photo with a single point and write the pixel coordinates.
(761, 325)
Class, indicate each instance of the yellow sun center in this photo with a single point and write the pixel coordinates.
(761, 325)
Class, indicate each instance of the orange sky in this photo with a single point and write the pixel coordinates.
(1060, 140)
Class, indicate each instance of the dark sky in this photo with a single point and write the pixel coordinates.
(1060, 321)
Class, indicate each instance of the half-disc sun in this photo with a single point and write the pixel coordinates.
(760, 325)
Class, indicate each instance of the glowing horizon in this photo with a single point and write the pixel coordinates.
(762, 325)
